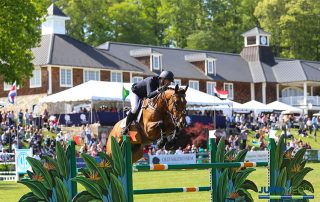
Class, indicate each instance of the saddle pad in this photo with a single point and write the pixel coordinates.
(123, 123)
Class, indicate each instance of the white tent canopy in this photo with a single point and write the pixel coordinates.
(280, 106)
(257, 107)
(93, 91)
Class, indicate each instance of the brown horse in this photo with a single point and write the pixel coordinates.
(161, 116)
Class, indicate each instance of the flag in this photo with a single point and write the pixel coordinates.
(12, 93)
(223, 94)
(125, 93)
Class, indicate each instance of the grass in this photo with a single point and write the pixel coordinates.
(11, 191)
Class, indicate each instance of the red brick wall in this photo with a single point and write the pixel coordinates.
(77, 77)
(56, 80)
(200, 65)
(258, 91)
(144, 60)
(241, 92)
(271, 92)
(105, 75)
(25, 86)
(126, 77)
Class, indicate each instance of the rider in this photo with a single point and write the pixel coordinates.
(147, 88)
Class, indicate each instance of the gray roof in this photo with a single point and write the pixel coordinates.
(289, 71)
(254, 32)
(174, 59)
(58, 49)
(54, 10)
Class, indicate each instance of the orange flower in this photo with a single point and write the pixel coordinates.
(230, 158)
(94, 176)
(296, 168)
(37, 178)
(49, 166)
(234, 195)
(104, 164)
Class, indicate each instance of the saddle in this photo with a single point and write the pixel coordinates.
(136, 132)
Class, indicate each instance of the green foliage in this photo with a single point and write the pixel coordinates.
(232, 182)
(103, 182)
(19, 21)
(291, 170)
(48, 180)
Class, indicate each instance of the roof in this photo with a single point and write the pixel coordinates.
(254, 32)
(54, 10)
(58, 49)
(176, 60)
(289, 71)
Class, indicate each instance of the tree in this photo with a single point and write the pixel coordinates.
(19, 22)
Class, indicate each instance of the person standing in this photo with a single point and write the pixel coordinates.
(88, 134)
(26, 115)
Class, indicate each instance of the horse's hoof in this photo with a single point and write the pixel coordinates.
(169, 146)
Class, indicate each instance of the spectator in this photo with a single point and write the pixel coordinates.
(88, 134)
(179, 151)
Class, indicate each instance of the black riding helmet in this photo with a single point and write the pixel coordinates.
(167, 75)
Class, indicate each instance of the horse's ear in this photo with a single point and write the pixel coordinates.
(176, 88)
(185, 90)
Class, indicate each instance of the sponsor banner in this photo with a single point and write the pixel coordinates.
(81, 164)
(173, 159)
(257, 156)
(22, 164)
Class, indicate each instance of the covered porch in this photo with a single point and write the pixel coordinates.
(305, 95)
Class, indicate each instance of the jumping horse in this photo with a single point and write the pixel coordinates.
(162, 116)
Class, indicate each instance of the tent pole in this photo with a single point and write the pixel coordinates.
(91, 110)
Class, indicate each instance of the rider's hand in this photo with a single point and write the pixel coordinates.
(162, 89)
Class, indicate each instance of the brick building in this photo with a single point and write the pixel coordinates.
(62, 62)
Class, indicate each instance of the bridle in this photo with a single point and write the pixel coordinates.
(175, 119)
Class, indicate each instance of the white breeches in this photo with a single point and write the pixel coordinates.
(134, 100)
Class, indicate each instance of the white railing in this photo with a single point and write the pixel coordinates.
(299, 100)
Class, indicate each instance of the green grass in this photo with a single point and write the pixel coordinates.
(11, 191)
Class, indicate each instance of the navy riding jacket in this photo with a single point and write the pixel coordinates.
(147, 88)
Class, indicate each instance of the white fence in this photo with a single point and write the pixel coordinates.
(299, 100)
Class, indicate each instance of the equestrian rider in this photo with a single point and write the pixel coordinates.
(147, 88)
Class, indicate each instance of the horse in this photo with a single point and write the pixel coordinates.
(162, 116)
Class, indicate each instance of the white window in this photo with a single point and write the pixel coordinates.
(292, 91)
(210, 87)
(177, 81)
(136, 79)
(194, 84)
(35, 81)
(65, 77)
(91, 75)
(229, 87)
(156, 62)
(210, 67)
(116, 77)
(7, 86)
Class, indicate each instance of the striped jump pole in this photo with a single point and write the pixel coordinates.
(159, 167)
(171, 190)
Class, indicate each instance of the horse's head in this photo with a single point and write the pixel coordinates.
(176, 105)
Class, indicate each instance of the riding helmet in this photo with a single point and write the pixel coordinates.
(167, 75)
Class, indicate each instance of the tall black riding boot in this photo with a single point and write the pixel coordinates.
(130, 118)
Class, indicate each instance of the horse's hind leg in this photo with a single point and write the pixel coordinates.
(137, 152)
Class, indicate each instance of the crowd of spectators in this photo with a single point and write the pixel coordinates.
(19, 129)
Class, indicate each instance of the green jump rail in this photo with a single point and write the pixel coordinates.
(213, 166)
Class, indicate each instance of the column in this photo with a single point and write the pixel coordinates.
(49, 80)
(252, 90)
(264, 94)
(305, 94)
(277, 87)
